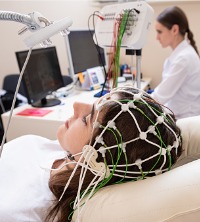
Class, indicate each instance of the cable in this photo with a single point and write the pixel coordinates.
(14, 100)
(1, 105)
(33, 21)
(98, 47)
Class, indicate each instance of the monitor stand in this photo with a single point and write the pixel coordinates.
(46, 103)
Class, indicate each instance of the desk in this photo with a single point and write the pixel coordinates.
(47, 126)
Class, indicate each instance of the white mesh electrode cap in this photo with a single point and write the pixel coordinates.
(138, 163)
(158, 172)
(176, 144)
(96, 124)
(125, 107)
(137, 96)
(99, 140)
(111, 124)
(143, 135)
(132, 105)
(124, 147)
(164, 151)
(102, 150)
(169, 148)
(151, 129)
(160, 119)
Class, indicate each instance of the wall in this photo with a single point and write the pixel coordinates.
(152, 54)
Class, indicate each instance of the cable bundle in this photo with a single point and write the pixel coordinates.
(118, 33)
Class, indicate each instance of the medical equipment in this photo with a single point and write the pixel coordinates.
(45, 29)
(124, 25)
(160, 161)
(137, 24)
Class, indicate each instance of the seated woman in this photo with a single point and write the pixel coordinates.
(181, 70)
(125, 136)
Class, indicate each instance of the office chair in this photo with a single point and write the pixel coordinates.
(10, 83)
(67, 80)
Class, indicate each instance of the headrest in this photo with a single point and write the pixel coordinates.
(190, 130)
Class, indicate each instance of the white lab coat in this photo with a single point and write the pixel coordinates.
(24, 192)
(180, 86)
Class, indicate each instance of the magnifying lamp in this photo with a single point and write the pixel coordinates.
(41, 27)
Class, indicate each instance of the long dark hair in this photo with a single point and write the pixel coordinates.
(134, 150)
(174, 15)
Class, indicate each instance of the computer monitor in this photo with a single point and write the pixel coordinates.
(42, 76)
(82, 51)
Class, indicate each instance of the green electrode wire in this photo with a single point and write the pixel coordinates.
(122, 29)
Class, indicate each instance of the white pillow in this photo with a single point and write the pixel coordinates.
(190, 128)
(172, 196)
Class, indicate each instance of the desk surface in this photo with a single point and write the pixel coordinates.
(47, 125)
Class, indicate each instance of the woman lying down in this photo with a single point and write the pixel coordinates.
(124, 136)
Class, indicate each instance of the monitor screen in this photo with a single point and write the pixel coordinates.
(42, 75)
(82, 51)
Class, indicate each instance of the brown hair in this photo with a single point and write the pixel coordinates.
(134, 150)
(174, 15)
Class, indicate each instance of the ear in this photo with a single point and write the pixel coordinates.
(175, 29)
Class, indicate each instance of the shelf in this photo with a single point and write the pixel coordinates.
(101, 3)
(150, 1)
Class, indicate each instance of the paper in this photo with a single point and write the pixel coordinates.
(34, 112)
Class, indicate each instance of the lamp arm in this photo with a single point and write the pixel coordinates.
(33, 21)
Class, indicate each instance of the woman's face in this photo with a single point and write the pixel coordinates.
(77, 130)
(164, 35)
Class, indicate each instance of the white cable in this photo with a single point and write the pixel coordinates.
(2, 106)
(71, 176)
(81, 178)
(90, 195)
(14, 100)
(136, 177)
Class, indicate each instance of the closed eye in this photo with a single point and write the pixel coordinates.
(84, 120)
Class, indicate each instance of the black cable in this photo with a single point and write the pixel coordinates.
(98, 49)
